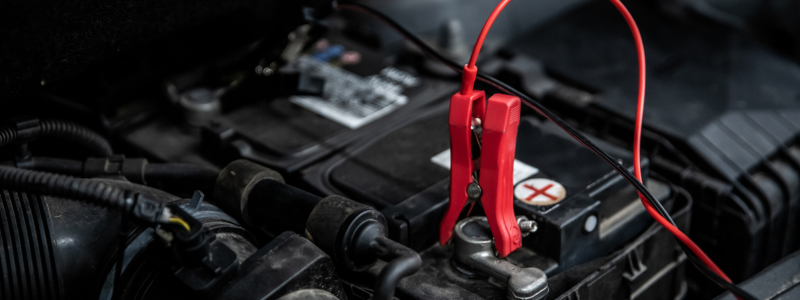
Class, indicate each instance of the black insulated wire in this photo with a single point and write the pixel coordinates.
(739, 292)
(95, 192)
(77, 134)
(52, 165)
(175, 178)
(66, 131)
(539, 108)
(92, 191)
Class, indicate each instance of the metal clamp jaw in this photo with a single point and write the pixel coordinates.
(473, 247)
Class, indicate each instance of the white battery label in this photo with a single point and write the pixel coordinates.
(521, 169)
(350, 99)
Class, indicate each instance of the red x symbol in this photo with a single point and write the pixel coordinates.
(537, 192)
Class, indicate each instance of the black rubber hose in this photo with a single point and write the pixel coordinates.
(92, 191)
(180, 178)
(173, 177)
(67, 131)
(174, 172)
(402, 262)
(55, 165)
(153, 172)
(71, 132)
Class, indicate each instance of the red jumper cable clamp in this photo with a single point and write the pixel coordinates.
(500, 119)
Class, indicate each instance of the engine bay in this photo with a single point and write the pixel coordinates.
(343, 150)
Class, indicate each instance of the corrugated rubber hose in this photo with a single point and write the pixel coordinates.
(96, 192)
(93, 191)
(62, 130)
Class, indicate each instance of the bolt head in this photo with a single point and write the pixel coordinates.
(474, 190)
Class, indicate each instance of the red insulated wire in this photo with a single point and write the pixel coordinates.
(637, 139)
(470, 71)
(482, 36)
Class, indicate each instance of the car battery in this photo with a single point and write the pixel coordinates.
(584, 209)
(650, 266)
(291, 111)
(721, 118)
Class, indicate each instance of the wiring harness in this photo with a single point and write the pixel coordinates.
(657, 211)
(96, 192)
(29, 129)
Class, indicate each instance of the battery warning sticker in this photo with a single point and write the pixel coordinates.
(521, 169)
(350, 99)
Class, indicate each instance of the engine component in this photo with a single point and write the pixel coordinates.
(352, 233)
(53, 249)
(191, 260)
(200, 105)
(286, 266)
(474, 248)
(204, 263)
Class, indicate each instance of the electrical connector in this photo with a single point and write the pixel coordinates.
(202, 262)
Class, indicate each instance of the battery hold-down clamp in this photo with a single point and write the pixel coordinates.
(499, 117)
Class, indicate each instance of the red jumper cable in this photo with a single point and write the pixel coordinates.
(499, 117)
(637, 146)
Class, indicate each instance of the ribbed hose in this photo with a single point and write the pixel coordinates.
(7, 135)
(77, 134)
(92, 191)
